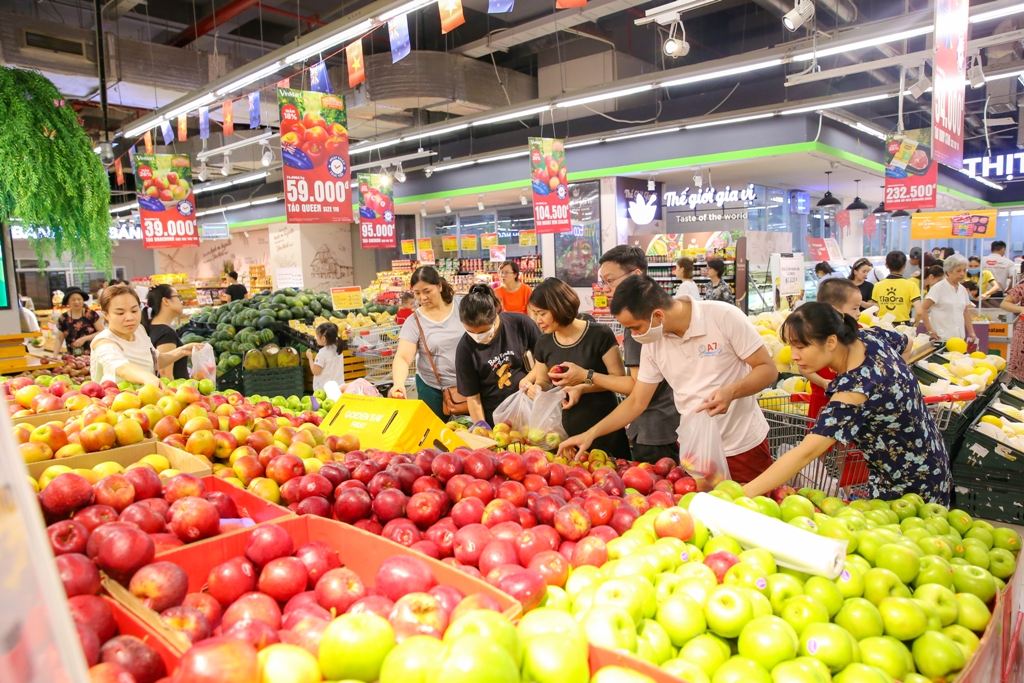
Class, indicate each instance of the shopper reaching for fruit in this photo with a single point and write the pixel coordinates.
(711, 356)
(876, 402)
(165, 306)
(124, 351)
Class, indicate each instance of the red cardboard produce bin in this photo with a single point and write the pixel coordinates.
(130, 625)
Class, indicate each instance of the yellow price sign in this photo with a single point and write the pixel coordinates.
(450, 243)
(527, 238)
(469, 243)
(424, 243)
(488, 240)
(346, 297)
(408, 246)
(953, 224)
(600, 301)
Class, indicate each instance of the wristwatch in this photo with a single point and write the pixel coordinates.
(589, 381)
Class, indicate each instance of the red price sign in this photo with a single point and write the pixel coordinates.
(314, 151)
(376, 212)
(910, 173)
(167, 205)
(550, 189)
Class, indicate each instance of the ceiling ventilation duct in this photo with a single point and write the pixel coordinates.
(1002, 93)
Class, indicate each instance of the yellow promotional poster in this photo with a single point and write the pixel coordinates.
(346, 297)
(979, 223)
(390, 424)
(424, 243)
(527, 238)
(450, 243)
(408, 246)
(488, 240)
(469, 243)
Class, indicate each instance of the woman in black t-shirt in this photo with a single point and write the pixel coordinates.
(588, 345)
(489, 360)
(164, 306)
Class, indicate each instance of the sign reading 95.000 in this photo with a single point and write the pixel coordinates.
(314, 150)
(167, 206)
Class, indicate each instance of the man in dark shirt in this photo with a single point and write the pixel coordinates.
(653, 434)
(235, 290)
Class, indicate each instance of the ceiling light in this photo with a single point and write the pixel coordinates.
(500, 157)
(458, 164)
(921, 87)
(997, 13)
(399, 173)
(385, 179)
(902, 213)
(136, 131)
(226, 168)
(727, 121)
(304, 53)
(204, 173)
(522, 198)
(879, 210)
(268, 155)
(975, 74)
(447, 206)
(834, 105)
(480, 203)
(605, 96)
(630, 136)
(857, 204)
(650, 184)
(676, 47)
(423, 209)
(189, 106)
(511, 116)
(263, 137)
(828, 199)
(798, 16)
(248, 79)
(432, 133)
(722, 73)
(829, 50)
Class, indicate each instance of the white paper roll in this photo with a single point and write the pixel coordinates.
(790, 546)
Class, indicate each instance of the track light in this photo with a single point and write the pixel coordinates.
(447, 206)
(480, 203)
(268, 155)
(798, 16)
(423, 209)
(676, 46)
(522, 198)
(399, 173)
(225, 170)
(975, 74)
(857, 204)
(385, 179)
(828, 199)
(921, 87)
(204, 172)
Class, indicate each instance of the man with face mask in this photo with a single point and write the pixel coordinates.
(710, 355)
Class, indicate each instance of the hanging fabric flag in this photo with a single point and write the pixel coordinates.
(500, 6)
(182, 127)
(168, 133)
(228, 111)
(319, 81)
(204, 123)
(285, 82)
(566, 4)
(451, 14)
(354, 57)
(118, 171)
(398, 30)
(131, 158)
(254, 109)
(148, 137)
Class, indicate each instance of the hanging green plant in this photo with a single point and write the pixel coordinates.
(50, 179)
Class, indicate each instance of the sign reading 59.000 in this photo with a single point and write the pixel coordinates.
(167, 205)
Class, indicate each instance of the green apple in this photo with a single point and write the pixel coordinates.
(795, 573)
(727, 611)
(688, 671)
(981, 533)
(662, 557)
(548, 623)
(707, 651)
(768, 507)
(717, 543)
(826, 592)
(700, 533)
(883, 583)
(929, 510)
(861, 505)
(782, 587)
(761, 558)
(917, 533)
(854, 510)
(635, 565)
(914, 498)
(878, 504)
(584, 601)
(915, 678)
(861, 618)
(972, 614)
(696, 570)
(801, 522)
(741, 669)
(898, 559)
(835, 528)
(934, 569)
(583, 576)
(696, 589)
(932, 614)
(829, 644)
(976, 555)
(859, 562)
(907, 543)
(938, 524)
(684, 502)
(768, 641)
(1001, 563)
(556, 598)
(548, 660)
(802, 610)
(862, 673)
(963, 637)
(760, 604)
(655, 635)
(470, 659)
(608, 626)
(937, 545)
(1006, 538)
(691, 554)
(410, 661)
(942, 599)
(1000, 584)
(887, 654)
(622, 547)
(747, 575)
(493, 626)
(968, 579)
(795, 506)
(682, 618)
(937, 656)
(902, 618)
(648, 596)
(850, 583)
(831, 505)
(903, 509)
(747, 503)
(801, 670)
(912, 523)
(722, 495)
(666, 585)
(355, 645)
(958, 560)
(869, 541)
(734, 489)
(983, 524)
(880, 517)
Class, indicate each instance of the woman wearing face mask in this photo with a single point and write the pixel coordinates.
(588, 345)
(859, 276)
(489, 361)
(165, 305)
(987, 285)
(429, 336)
(875, 403)
(123, 351)
(947, 308)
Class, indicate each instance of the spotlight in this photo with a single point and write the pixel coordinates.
(385, 179)
(447, 206)
(698, 179)
(921, 87)
(399, 173)
(798, 16)
(204, 172)
(226, 168)
(428, 171)
(480, 203)
(522, 198)
(423, 209)
(650, 185)
(676, 47)
(975, 74)
(268, 155)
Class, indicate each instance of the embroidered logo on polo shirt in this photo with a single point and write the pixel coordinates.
(708, 350)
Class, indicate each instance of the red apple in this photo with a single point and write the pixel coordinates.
(94, 612)
(400, 575)
(338, 589)
(183, 485)
(67, 536)
(230, 580)
(188, 620)
(623, 518)
(479, 464)
(572, 522)
(469, 543)
(551, 565)
(402, 532)
(497, 511)
(389, 504)
(268, 542)
(496, 553)
(123, 552)
(195, 519)
(95, 516)
(141, 661)
(373, 604)
(318, 558)
(591, 550)
(418, 614)
(442, 534)
(165, 542)
(208, 605)
(65, 494)
(546, 507)
(352, 504)
(78, 574)
(526, 585)
(445, 466)
(720, 562)
(252, 606)
(219, 660)
(160, 585)
(226, 507)
(144, 517)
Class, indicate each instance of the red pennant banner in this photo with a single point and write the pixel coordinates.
(451, 14)
(182, 127)
(354, 57)
(229, 118)
(118, 171)
(148, 139)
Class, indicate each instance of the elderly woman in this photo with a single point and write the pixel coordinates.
(77, 326)
(947, 308)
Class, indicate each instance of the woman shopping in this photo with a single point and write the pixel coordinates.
(77, 326)
(1014, 303)
(719, 289)
(987, 285)
(859, 276)
(588, 345)
(123, 351)
(164, 306)
(490, 359)
(512, 293)
(684, 271)
(430, 337)
(947, 308)
(875, 403)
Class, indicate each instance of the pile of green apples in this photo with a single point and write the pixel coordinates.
(910, 604)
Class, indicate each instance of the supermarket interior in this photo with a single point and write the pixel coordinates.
(610, 341)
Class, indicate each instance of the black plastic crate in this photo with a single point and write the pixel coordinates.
(958, 422)
(273, 382)
(231, 379)
(988, 494)
(980, 451)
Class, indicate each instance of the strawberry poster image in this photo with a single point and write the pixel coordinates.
(550, 190)
(167, 205)
(314, 150)
(376, 212)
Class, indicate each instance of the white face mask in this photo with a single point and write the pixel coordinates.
(653, 334)
(482, 337)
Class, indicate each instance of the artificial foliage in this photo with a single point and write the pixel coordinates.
(50, 179)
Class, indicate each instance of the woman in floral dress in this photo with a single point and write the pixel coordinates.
(1014, 303)
(77, 325)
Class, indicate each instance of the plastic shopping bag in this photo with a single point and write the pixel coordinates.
(700, 451)
(204, 363)
(546, 420)
(515, 412)
(362, 387)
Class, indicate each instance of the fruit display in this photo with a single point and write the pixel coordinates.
(962, 371)
(110, 652)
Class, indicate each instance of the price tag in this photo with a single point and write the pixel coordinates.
(488, 240)
(423, 244)
(450, 243)
(167, 205)
(409, 247)
(469, 243)
(346, 297)
(527, 238)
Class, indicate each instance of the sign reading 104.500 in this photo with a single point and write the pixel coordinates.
(167, 206)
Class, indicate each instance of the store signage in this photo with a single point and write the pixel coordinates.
(167, 207)
(214, 231)
(790, 275)
(124, 231)
(346, 297)
(636, 200)
(527, 238)
(953, 224)
(800, 202)
(469, 242)
(823, 249)
(426, 257)
(498, 254)
(314, 149)
(488, 240)
(409, 247)
(998, 166)
(550, 189)
(683, 219)
(450, 243)
(376, 211)
(910, 173)
(424, 243)
(702, 198)
(949, 76)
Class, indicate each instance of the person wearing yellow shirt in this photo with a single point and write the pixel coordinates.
(895, 294)
(987, 284)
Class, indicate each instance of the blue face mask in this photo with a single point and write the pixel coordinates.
(973, 271)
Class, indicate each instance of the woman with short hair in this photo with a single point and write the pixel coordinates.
(719, 289)
(859, 276)
(947, 308)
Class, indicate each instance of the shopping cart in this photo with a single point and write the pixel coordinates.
(377, 346)
(615, 325)
(842, 471)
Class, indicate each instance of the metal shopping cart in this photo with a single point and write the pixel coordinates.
(842, 471)
(376, 346)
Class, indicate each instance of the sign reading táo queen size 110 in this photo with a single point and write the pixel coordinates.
(167, 206)
(550, 189)
(314, 150)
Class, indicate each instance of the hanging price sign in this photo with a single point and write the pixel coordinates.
(376, 212)
(450, 243)
(527, 238)
(409, 247)
(167, 206)
(910, 173)
(346, 297)
(550, 189)
(469, 243)
(488, 240)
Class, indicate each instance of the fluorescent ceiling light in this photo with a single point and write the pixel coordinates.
(430, 133)
(199, 188)
(734, 71)
(121, 208)
(605, 96)
(997, 13)
(372, 146)
(510, 155)
(983, 181)
(142, 128)
(629, 136)
(189, 106)
(250, 78)
(585, 143)
(305, 53)
(262, 137)
(266, 200)
(861, 44)
(459, 164)
(833, 105)
(724, 122)
(404, 9)
(511, 116)
(869, 130)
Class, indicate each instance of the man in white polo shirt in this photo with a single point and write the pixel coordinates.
(713, 359)
(1001, 267)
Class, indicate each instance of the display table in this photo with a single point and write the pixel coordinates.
(15, 358)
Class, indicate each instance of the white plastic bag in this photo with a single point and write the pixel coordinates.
(204, 363)
(514, 411)
(361, 387)
(546, 420)
(700, 451)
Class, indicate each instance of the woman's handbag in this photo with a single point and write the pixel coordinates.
(454, 403)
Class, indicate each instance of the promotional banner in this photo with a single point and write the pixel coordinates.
(819, 249)
(398, 32)
(354, 58)
(577, 252)
(451, 14)
(949, 78)
(167, 207)
(910, 173)
(566, 4)
(498, 254)
(148, 139)
(118, 171)
(376, 211)
(409, 247)
(228, 118)
(953, 224)
(469, 243)
(254, 109)
(550, 191)
(426, 257)
(167, 132)
(314, 149)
